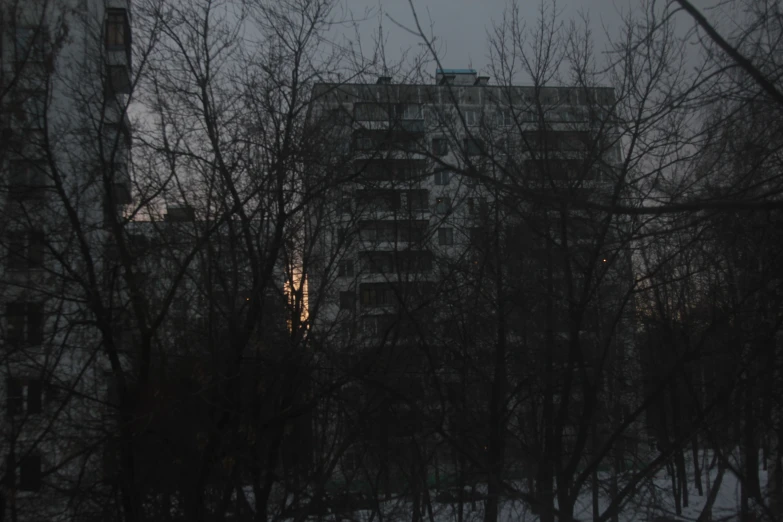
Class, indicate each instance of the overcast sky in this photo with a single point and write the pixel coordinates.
(461, 26)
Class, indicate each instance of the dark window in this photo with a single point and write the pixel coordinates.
(440, 146)
(442, 177)
(371, 112)
(412, 231)
(25, 250)
(377, 231)
(26, 180)
(472, 146)
(377, 294)
(116, 28)
(442, 205)
(24, 323)
(31, 109)
(344, 204)
(478, 238)
(377, 262)
(409, 261)
(30, 44)
(477, 206)
(345, 268)
(347, 300)
(343, 236)
(378, 200)
(24, 396)
(445, 236)
(30, 473)
(418, 200)
(505, 118)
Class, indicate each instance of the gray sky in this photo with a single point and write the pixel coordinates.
(461, 26)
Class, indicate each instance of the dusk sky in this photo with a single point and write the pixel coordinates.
(461, 26)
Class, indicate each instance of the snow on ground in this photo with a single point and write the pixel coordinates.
(654, 499)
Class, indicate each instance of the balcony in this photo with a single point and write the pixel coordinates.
(121, 184)
(118, 50)
(118, 73)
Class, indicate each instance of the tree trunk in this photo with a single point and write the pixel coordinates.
(696, 468)
(682, 476)
(706, 513)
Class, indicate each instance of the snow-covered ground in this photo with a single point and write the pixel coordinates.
(653, 499)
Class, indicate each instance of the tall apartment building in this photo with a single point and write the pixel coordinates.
(462, 222)
(65, 74)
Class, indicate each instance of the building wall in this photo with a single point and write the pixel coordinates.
(476, 181)
(60, 142)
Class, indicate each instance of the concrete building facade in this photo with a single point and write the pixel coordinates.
(65, 76)
(466, 221)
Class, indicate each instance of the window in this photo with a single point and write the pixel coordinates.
(505, 118)
(26, 474)
(24, 396)
(363, 142)
(347, 300)
(440, 146)
(342, 235)
(472, 117)
(345, 268)
(30, 44)
(32, 110)
(378, 200)
(442, 177)
(27, 179)
(442, 205)
(477, 206)
(377, 262)
(24, 323)
(25, 250)
(409, 111)
(418, 200)
(472, 146)
(478, 237)
(412, 231)
(377, 294)
(344, 203)
(370, 112)
(412, 262)
(377, 231)
(117, 29)
(445, 236)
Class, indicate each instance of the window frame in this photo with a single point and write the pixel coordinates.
(24, 395)
(345, 268)
(347, 300)
(27, 320)
(440, 146)
(117, 35)
(445, 236)
(442, 177)
(21, 244)
(443, 205)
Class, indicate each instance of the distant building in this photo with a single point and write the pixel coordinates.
(444, 232)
